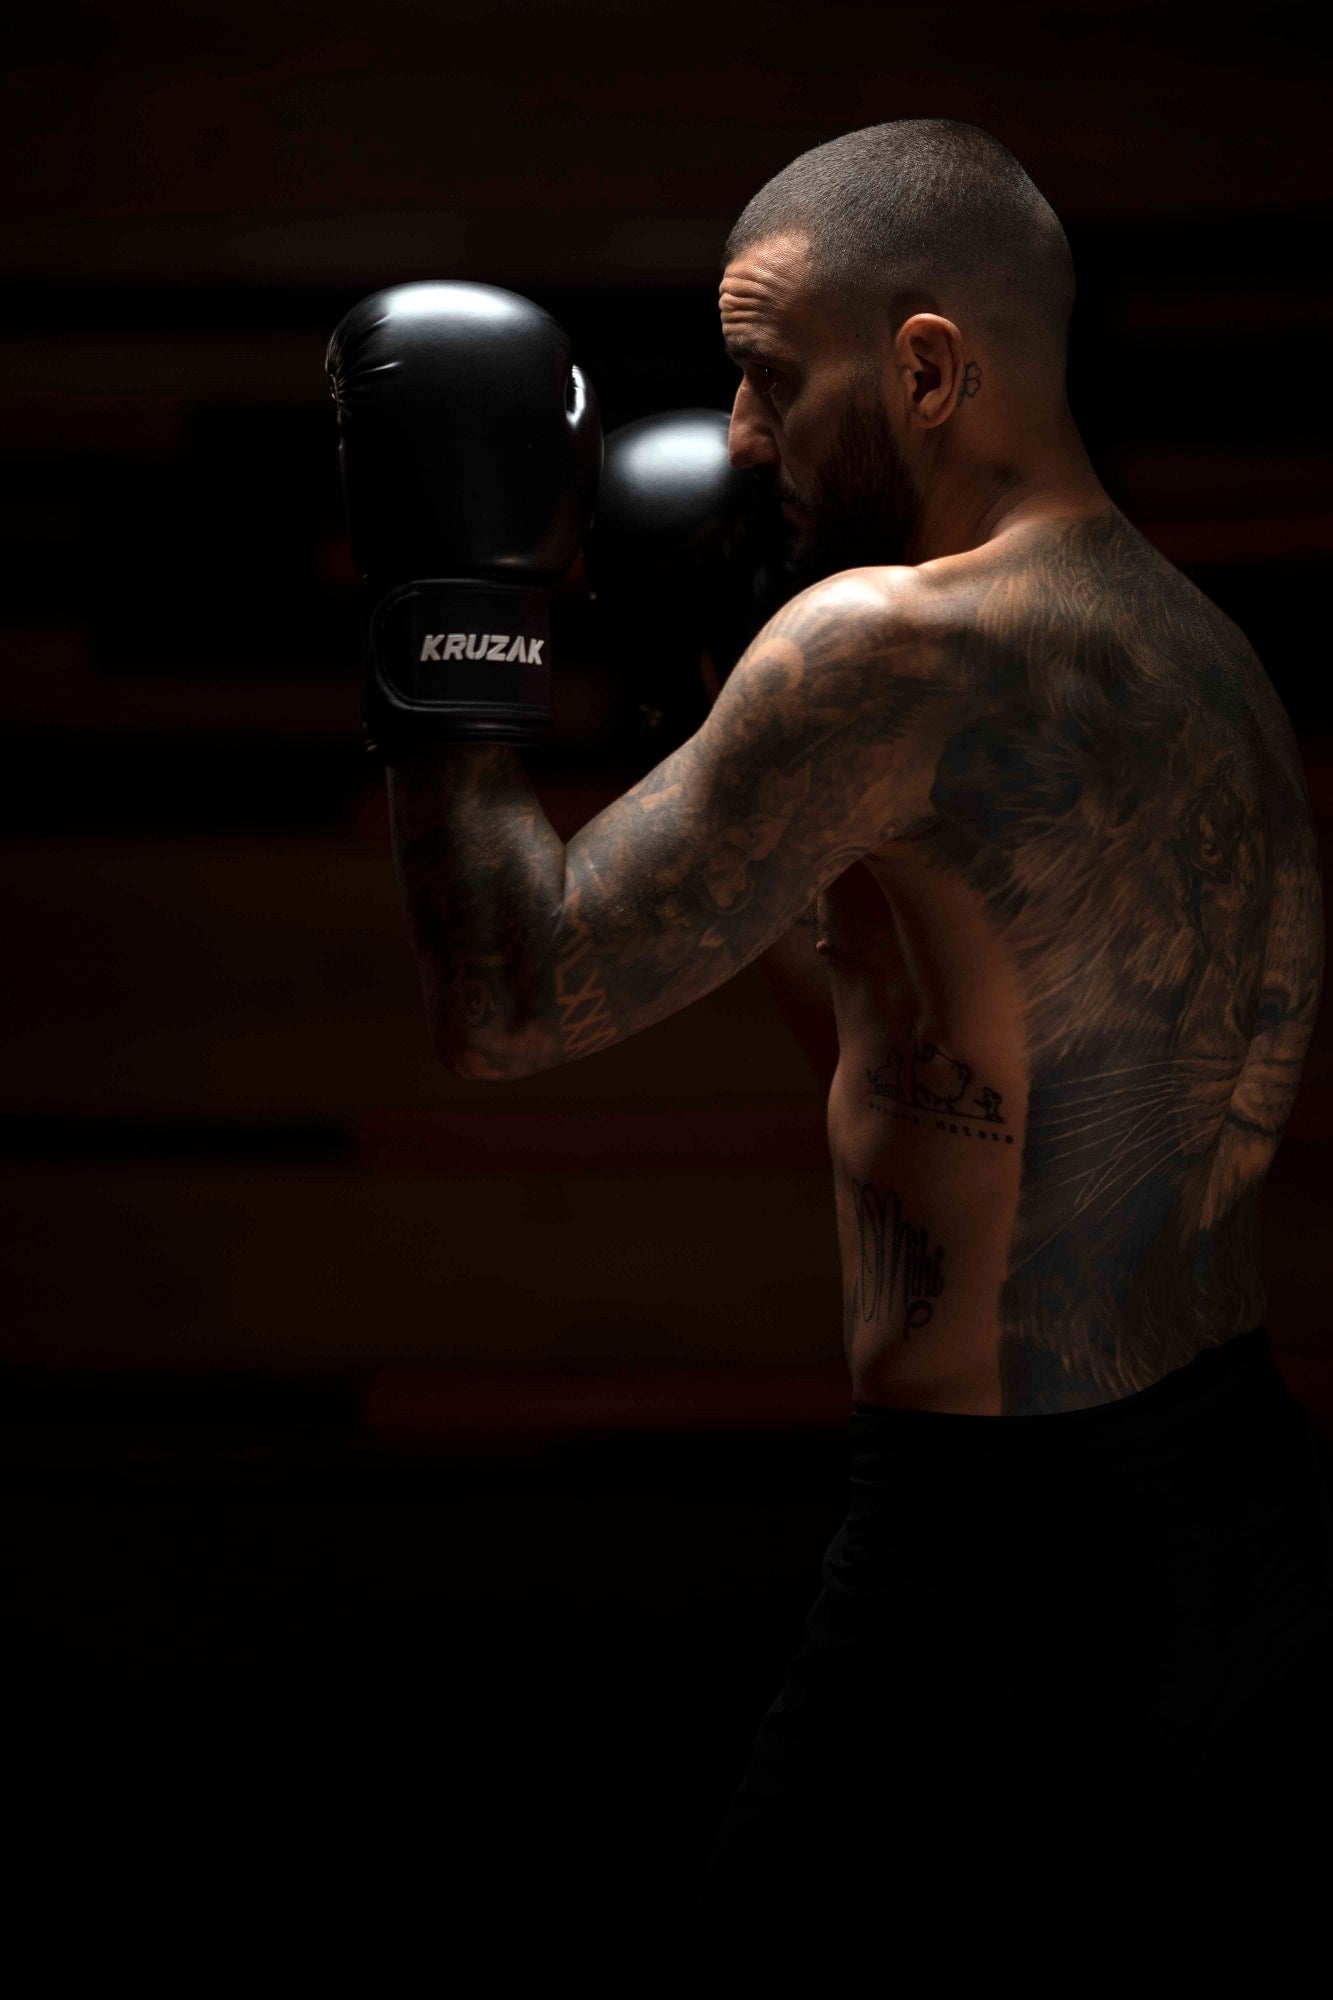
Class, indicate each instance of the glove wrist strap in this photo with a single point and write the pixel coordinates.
(457, 660)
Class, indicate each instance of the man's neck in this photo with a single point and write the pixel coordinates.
(972, 503)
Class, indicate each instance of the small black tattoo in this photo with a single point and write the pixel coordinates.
(971, 381)
(923, 1078)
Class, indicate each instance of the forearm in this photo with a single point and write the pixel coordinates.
(482, 876)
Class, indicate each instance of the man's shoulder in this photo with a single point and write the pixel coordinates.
(870, 599)
(880, 617)
(923, 612)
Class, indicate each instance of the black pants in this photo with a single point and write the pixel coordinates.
(1060, 1703)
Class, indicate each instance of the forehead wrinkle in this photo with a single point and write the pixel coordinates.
(742, 296)
(760, 295)
(747, 311)
(748, 330)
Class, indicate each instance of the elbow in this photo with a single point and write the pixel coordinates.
(488, 1062)
(477, 1065)
(492, 1053)
(478, 1069)
(479, 1027)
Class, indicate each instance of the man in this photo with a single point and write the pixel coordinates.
(1044, 816)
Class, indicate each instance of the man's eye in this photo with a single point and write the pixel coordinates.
(768, 380)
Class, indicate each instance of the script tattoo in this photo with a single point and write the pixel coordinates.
(898, 1265)
(583, 1015)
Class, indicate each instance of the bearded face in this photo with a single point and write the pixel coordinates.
(860, 508)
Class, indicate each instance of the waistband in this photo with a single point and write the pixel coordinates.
(1225, 1394)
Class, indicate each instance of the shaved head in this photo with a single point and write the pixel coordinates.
(923, 215)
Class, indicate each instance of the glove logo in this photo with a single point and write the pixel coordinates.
(481, 646)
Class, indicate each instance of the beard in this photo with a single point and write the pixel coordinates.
(863, 509)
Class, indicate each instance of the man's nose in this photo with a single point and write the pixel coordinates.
(750, 441)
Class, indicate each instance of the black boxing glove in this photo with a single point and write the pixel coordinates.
(470, 449)
(685, 557)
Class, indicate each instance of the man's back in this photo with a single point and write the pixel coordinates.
(1072, 1000)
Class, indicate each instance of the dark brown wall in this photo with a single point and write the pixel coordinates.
(319, 1631)
(225, 1141)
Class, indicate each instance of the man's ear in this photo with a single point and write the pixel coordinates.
(928, 359)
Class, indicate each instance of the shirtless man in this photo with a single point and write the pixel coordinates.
(1076, 963)
(1031, 802)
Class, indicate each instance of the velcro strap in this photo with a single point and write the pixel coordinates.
(455, 659)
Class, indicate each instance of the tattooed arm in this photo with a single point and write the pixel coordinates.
(790, 969)
(533, 954)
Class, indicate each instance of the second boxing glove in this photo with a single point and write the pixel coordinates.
(686, 558)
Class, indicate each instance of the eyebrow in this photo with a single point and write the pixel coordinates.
(741, 350)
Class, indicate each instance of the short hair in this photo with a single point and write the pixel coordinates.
(911, 215)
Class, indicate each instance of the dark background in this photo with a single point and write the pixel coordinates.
(413, 1487)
